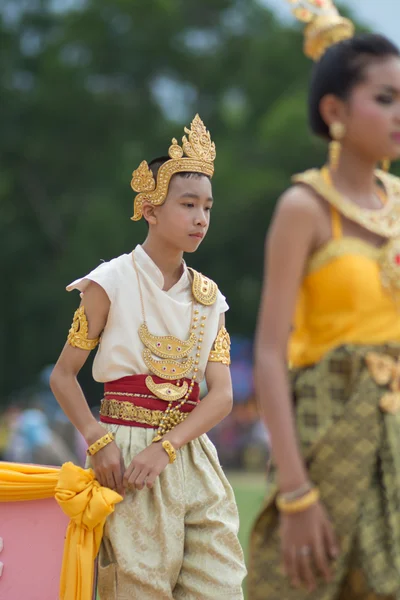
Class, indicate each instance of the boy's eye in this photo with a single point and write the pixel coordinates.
(384, 99)
(190, 204)
(208, 208)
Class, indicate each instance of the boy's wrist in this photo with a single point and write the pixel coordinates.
(92, 432)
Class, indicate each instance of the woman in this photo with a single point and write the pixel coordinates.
(333, 260)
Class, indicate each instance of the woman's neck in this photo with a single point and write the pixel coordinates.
(355, 178)
(168, 260)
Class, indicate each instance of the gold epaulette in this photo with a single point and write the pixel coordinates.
(221, 351)
(205, 290)
(78, 333)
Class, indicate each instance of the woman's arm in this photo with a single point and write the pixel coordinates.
(290, 242)
(307, 537)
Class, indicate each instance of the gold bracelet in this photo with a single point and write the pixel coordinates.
(170, 450)
(299, 505)
(297, 493)
(101, 443)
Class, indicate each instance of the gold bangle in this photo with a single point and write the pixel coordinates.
(299, 505)
(101, 443)
(170, 450)
(297, 493)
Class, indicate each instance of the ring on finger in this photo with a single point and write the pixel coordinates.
(304, 551)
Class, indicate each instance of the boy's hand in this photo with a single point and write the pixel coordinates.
(146, 467)
(108, 466)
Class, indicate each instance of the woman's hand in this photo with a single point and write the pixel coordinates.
(308, 545)
(146, 467)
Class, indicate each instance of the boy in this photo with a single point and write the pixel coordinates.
(174, 536)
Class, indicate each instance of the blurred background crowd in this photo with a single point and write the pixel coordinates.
(89, 88)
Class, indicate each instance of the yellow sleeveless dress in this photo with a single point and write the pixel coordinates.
(345, 357)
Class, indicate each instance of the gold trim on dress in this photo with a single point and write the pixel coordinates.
(384, 222)
(335, 248)
(222, 346)
(385, 371)
(204, 290)
(167, 369)
(78, 333)
(126, 411)
(166, 346)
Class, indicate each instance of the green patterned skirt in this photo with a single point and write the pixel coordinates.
(348, 421)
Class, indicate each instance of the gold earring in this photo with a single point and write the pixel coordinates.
(337, 132)
(386, 163)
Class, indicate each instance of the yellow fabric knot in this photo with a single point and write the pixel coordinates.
(88, 505)
(82, 499)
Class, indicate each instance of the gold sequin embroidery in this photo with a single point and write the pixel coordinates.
(222, 347)
(78, 333)
(385, 371)
(204, 290)
(126, 411)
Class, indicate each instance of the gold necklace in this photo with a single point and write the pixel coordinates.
(170, 349)
(384, 222)
(389, 253)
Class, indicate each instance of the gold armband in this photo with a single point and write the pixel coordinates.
(222, 348)
(170, 450)
(291, 507)
(100, 444)
(78, 334)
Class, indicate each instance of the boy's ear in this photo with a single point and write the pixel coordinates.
(149, 213)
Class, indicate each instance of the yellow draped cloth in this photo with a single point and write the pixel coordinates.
(82, 499)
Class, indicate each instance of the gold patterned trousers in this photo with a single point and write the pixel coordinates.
(352, 450)
(178, 540)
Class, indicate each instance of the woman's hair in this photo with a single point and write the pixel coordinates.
(156, 163)
(341, 68)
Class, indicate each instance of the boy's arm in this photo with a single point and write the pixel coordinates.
(69, 394)
(214, 407)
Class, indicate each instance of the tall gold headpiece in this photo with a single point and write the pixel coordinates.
(325, 26)
(197, 154)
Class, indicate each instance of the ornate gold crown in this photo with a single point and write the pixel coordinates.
(325, 26)
(200, 156)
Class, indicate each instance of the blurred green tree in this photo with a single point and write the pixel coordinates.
(90, 88)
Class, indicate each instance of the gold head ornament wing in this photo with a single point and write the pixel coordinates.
(196, 154)
(324, 25)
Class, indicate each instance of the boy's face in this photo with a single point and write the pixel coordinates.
(184, 218)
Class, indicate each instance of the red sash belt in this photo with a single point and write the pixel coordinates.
(128, 401)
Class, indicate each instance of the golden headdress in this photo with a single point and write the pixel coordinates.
(197, 154)
(325, 26)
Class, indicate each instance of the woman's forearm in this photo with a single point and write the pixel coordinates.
(276, 409)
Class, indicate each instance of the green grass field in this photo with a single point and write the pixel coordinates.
(249, 490)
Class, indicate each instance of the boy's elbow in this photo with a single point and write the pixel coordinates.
(228, 403)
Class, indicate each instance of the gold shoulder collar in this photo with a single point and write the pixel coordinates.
(384, 222)
(204, 290)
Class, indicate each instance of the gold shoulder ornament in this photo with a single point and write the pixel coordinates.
(384, 222)
(197, 154)
(78, 333)
(324, 25)
(204, 290)
(221, 351)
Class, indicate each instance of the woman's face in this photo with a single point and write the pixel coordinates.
(373, 112)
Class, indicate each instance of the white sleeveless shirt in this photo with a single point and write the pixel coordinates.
(167, 313)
